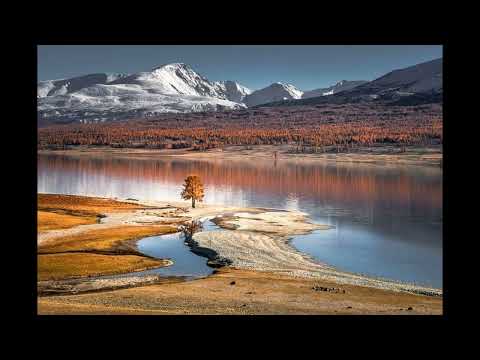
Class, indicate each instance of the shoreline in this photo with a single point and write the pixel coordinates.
(250, 239)
(248, 248)
(385, 155)
(236, 292)
(229, 289)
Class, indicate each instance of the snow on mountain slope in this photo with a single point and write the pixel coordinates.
(233, 90)
(178, 88)
(65, 86)
(275, 92)
(176, 78)
(167, 88)
(340, 86)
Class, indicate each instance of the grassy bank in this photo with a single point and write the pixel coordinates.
(74, 265)
(49, 220)
(91, 252)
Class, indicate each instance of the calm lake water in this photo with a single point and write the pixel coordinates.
(387, 220)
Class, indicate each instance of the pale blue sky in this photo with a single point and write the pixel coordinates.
(255, 66)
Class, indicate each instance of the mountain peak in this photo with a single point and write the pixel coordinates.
(171, 66)
(282, 84)
(233, 90)
(277, 91)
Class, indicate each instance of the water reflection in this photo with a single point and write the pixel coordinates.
(388, 220)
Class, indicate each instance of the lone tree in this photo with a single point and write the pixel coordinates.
(192, 189)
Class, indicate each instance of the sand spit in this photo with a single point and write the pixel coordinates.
(261, 242)
(154, 213)
(276, 222)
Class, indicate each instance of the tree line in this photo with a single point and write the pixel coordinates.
(306, 129)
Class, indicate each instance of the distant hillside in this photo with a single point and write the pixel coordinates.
(418, 84)
(338, 87)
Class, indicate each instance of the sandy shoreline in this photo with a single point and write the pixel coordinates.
(387, 155)
(259, 241)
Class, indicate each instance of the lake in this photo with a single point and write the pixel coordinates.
(387, 221)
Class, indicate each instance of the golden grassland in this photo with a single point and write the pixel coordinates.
(78, 255)
(104, 239)
(82, 205)
(51, 221)
(252, 293)
(68, 265)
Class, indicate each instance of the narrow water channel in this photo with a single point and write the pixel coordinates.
(172, 246)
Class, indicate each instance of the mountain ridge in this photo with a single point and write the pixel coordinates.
(171, 87)
(177, 88)
(416, 84)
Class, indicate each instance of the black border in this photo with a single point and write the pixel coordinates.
(305, 37)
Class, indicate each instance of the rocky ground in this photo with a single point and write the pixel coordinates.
(239, 292)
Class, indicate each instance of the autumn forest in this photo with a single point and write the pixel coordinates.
(307, 129)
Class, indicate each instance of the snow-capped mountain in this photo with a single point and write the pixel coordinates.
(275, 92)
(99, 97)
(233, 90)
(173, 79)
(66, 86)
(178, 88)
(418, 84)
(338, 87)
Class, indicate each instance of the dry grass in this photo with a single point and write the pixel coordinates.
(104, 239)
(53, 221)
(82, 204)
(62, 266)
(67, 211)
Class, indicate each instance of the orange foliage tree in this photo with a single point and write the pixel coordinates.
(192, 189)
